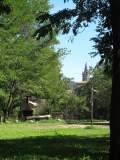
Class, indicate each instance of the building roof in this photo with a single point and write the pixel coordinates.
(82, 82)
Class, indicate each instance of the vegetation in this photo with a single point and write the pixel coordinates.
(107, 45)
(100, 86)
(31, 68)
(27, 69)
(39, 141)
(4, 8)
(27, 66)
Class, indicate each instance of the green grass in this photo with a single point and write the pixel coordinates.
(36, 141)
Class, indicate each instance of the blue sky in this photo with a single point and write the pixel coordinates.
(73, 63)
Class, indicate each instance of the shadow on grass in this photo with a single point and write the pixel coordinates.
(54, 148)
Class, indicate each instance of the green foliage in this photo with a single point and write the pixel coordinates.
(27, 67)
(4, 8)
(84, 12)
(69, 104)
(79, 17)
(103, 42)
(32, 68)
(102, 85)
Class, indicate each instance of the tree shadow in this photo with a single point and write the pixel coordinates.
(54, 148)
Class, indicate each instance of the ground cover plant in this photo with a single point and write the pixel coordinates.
(44, 141)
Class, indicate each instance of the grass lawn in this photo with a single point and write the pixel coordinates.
(39, 141)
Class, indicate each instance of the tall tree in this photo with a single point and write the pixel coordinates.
(101, 84)
(27, 67)
(115, 101)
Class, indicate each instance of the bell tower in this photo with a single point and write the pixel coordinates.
(85, 73)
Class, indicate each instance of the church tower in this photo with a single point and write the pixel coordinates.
(85, 74)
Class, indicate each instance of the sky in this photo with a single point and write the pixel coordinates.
(73, 64)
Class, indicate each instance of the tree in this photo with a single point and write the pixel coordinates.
(84, 93)
(16, 53)
(103, 41)
(67, 102)
(4, 7)
(86, 11)
(101, 93)
(28, 67)
(97, 93)
(115, 100)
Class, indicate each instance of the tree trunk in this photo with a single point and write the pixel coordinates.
(4, 116)
(115, 99)
(92, 105)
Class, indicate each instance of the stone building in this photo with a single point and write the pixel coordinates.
(85, 74)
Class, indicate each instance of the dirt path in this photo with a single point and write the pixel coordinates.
(70, 126)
